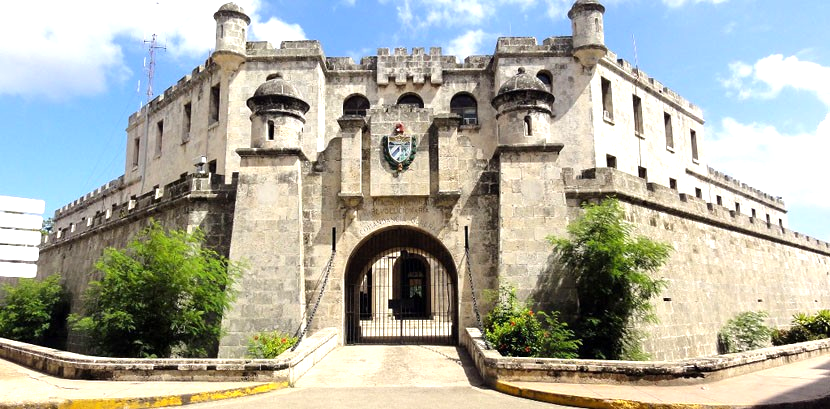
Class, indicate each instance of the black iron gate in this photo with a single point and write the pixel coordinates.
(401, 288)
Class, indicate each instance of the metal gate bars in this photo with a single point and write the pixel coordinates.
(399, 290)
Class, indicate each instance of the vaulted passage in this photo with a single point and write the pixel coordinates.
(401, 289)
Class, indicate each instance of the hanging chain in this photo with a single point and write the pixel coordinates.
(303, 329)
(475, 301)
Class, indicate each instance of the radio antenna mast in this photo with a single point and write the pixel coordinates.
(151, 69)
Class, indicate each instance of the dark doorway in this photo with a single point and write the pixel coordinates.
(401, 288)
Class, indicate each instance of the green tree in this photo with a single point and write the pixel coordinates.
(612, 272)
(164, 293)
(35, 311)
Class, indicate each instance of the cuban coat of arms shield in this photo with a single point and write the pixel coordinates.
(399, 148)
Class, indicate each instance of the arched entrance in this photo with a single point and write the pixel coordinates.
(401, 288)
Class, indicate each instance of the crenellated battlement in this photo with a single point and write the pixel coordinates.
(603, 182)
(99, 193)
(558, 46)
(642, 79)
(728, 182)
(187, 185)
(183, 84)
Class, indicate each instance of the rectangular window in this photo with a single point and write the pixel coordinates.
(607, 101)
(136, 151)
(781, 223)
(768, 220)
(737, 207)
(214, 104)
(159, 137)
(669, 132)
(610, 161)
(753, 213)
(673, 183)
(719, 200)
(638, 115)
(212, 166)
(270, 130)
(693, 137)
(186, 112)
(642, 172)
(698, 193)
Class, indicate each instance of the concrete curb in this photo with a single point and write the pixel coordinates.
(598, 403)
(150, 402)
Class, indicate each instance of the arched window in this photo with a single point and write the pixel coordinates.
(411, 99)
(528, 126)
(355, 105)
(465, 105)
(545, 78)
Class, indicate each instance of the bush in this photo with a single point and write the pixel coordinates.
(804, 328)
(166, 291)
(614, 289)
(744, 332)
(269, 345)
(35, 312)
(514, 330)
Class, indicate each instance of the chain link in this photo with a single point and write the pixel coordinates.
(475, 300)
(303, 329)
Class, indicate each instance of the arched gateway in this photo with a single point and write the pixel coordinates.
(401, 287)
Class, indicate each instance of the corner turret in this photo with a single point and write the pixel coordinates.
(278, 114)
(524, 107)
(231, 35)
(588, 33)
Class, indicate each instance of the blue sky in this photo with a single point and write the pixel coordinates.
(758, 68)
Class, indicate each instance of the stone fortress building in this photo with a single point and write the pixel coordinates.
(404, 160)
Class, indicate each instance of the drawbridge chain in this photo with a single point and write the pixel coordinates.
(304, 325)
(472, 285)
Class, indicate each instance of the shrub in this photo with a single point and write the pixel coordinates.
(744, 332)
(804, 328)
(35, 312)
(611, 269)
(166, 291)
(269, 345)
(515, 330)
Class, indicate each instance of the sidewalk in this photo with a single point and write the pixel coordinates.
(804, 384)
(22, 387)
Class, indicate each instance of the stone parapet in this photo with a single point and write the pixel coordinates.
(170, 94)
(288, 367)
(603, 182)
(493, 367)
(81, 203)
(655, 87)
(189, 187)
(728, 182)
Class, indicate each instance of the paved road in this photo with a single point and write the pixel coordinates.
(365, 377)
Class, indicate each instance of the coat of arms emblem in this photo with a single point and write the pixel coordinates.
(399, 149)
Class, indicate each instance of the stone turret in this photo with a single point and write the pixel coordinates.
(524, 107)
(588, 33)
(231, 35)
(278, 114)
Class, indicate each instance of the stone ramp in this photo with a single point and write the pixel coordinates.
(393, 366)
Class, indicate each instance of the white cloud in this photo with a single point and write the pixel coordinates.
(778, 162)
(66, 49)
(770, 75)
(785, 163)
(679, 3)
(466, 44)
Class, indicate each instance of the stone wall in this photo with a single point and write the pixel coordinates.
(723, 263)
(188, 203)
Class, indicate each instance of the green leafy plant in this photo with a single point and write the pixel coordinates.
(612, 270)
(805, 327)
(515, 330)
(165, 292)
(745, 332)
(35, 311)
(269, 345)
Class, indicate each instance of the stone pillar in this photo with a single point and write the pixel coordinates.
(447, 127)
(531, 207)
(267, 237)
(351, 155)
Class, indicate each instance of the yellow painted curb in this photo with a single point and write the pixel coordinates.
(174, 400)
(593, 403)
